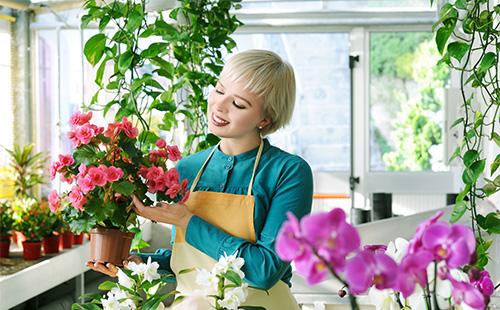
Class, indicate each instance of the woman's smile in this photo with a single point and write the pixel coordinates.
(218, 121)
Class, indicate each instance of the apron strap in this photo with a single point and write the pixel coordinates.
(257, 160)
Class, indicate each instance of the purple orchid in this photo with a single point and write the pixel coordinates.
(289, 243)
(467, 293)
(375, 248)
(453, 243)
(331, 236)
(367, 269)
(416, 242)
(484, 284)
(413, 270)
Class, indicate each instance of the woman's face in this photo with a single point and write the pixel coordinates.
(234, 112)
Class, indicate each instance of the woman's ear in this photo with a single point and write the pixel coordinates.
(263, 123)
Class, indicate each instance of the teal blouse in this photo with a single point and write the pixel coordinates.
(283, 182)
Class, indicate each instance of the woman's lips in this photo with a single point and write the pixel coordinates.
(219, 122)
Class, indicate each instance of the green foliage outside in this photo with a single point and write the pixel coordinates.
(411, 59)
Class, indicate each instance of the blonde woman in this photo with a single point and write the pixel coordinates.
(241, 189)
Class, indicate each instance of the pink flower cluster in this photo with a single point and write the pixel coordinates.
(159, 180)
(125, 126)
(58, 166)
(83, 132)
(166, 151)
(322, 241)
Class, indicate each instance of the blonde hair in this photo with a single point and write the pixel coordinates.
(270, 78)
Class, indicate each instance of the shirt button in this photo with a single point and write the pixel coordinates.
(221, 186)
(228, 167)
(230, 159)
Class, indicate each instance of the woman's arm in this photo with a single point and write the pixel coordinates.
(263, 268)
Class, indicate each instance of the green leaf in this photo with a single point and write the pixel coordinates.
(148, 137)
(461, 196)
(100, 72)
(495, 164)
(442, 36)
(461, 4)
(495, 137)
(88, 306)
(457, 50)
(94, 48)
(458, 211)
(233, 277)
(125, 61)
(134, 20)
(478, 168)
(489, 189)
(456, 122)
(455, 154)
(491, 223)
(468, 176)
(470, 157)
(489, 59)
(186, 270)
(85, 154)
(124, 187)
(106, 285)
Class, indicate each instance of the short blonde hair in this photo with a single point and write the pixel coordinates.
(270, 78)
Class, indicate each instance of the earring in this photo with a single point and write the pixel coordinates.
(260, 127)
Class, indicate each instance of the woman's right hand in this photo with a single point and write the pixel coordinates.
(110, 269)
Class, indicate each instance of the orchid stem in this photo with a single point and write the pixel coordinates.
(434, 294)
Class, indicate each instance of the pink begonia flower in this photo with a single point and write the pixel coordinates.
(153, 158)
(75, 141)
(66, 160)
(171, 177)
(154, 173)
(77, 198)
(143, 171)
(173, 153)
(367, 269)
(413, 270)
(54, 169)
(416, 242)
(484, 283)
(173, 190)
(331, 236)
(78, 118)
(157, 185)
(114, 174)
(85, 133)
(86, 184)
(97, 175)
(54, 202)
(67, 180)
(82, 171)
(129, 129)
(453, 243)
(161, 143)
(113, 130)
(464, 292)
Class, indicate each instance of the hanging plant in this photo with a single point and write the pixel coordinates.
(468, 38)
(159, 63)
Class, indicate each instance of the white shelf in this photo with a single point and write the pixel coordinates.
(36, 279)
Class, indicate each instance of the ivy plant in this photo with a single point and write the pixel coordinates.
(468, 37)
(160, 61)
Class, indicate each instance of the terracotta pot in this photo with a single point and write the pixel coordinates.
(32, 250)
(4, 246)
(78, 239)
(51, 244)
(109, 245)
(66, 240)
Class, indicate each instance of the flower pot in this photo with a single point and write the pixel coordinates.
(51, 244)
(32, 250)
(66, 240)
(4, 246)
(109, 245)
(78, 239)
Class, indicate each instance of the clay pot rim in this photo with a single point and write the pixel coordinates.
(32, 241)
(101, 230)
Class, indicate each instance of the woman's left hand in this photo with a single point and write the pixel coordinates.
(176, 214)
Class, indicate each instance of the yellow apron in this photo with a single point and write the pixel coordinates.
(233, 214)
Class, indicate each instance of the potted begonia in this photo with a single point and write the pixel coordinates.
(6, 222)
(30, 221)
(108, 165)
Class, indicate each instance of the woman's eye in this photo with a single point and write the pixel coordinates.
(237, 105)
(219, 92)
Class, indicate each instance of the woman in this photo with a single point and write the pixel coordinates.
(241, 189)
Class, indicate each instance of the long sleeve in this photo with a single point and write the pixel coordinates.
(263, 268)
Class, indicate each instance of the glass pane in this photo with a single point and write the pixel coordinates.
(406, 103)
(264, 5)
(320, 127)
(7, 115)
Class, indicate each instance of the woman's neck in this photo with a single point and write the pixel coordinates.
(233, 147)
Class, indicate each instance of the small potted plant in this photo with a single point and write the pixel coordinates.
(6, 222)
(106, 167)
(53, 226)
(30, 222)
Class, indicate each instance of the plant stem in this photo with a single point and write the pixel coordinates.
(434, 294)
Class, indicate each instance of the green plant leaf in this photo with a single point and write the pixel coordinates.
(186, 270)
(100, 72)
(134, 19)
(458, 49)
(470, 157)
(491, 223)
(478, 168)
(495, 137)
(233, 277)
(489, 59)
(125, 61)
(442, 36)
(468, 176)
(489, 189)
(124, 187)
(106, 285)
(458, 211)
(94, 48)
(461, 196)
(87, 306)
(148, 137)
(495, 164)
(455, 154)
(456, 122)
